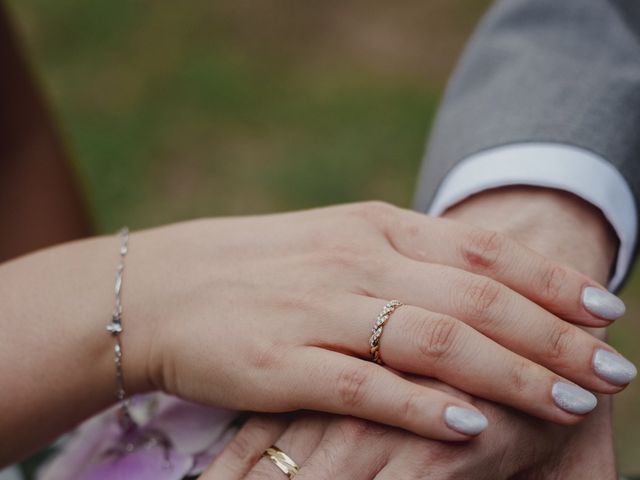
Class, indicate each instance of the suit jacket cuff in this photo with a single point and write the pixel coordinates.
(550, 165)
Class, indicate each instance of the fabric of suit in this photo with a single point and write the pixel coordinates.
(565, 71)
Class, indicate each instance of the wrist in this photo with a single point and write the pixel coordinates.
(144, 303)
(164, 267)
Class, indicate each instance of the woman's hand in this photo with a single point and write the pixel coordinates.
(274, 313)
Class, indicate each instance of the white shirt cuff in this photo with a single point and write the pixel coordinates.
(551, 165)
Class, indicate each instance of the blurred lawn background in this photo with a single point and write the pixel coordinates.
(174, 110)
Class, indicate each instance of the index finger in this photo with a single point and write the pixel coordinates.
(558, 288)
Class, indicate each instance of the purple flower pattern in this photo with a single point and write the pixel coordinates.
(174, 439)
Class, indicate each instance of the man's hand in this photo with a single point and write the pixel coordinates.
(515, 446)
(329, 447)
(574, 232)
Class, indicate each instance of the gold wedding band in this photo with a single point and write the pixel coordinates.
(376, 333)
(282, 461)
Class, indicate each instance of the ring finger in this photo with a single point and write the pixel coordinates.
(436, 345)
(238, 457)
(511, 320)
(298, 442)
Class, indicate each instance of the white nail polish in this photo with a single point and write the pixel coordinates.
(602, 303)
(572, 398)
(613, 368)
(464, 420)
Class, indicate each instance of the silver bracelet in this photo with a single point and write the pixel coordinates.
(115, 329)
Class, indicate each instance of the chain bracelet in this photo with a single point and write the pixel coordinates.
(115, 329)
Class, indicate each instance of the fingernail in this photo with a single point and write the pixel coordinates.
(464, 420)
(613, 368)
(572, 398)
(602, 303)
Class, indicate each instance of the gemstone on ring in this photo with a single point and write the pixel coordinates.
(376, 332)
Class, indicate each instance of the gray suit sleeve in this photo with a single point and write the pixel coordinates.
(564, 71)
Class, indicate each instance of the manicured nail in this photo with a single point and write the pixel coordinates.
(613, 368)
(572, 398)
(602, 303)
(464, 420)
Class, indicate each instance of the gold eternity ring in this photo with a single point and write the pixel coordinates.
(281, 460)
(376, 333)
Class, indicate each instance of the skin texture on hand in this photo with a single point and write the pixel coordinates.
(273, 314)
(565, 228)
(554, 223)
(570, 230)
(278, 299)
(515, 446)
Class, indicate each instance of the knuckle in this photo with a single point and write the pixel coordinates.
(559, 341)
(430, 456)
(481, 249)
(552, 280)
(437, 336)
(355, 429)
(520, 377)
(352, 385)
(410, 408)
(480, 296)
(373, 210)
